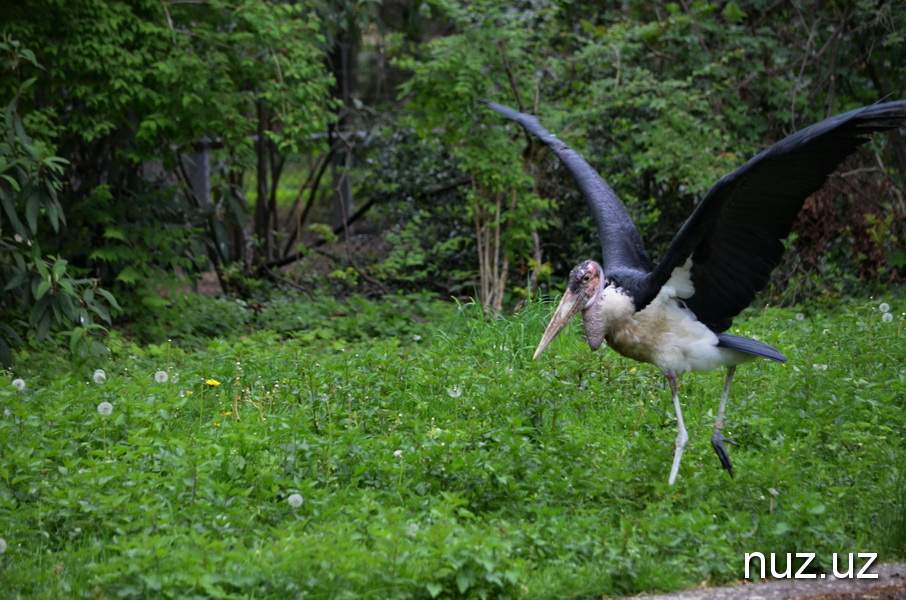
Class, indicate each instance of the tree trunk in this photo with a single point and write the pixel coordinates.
(262, 218)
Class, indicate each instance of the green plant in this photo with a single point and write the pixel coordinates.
(40, 293)
(452, 466)
(161, 110)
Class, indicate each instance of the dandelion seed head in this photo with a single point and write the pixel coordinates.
(416, 338)
(455, 391)
(161, 377)
(105, 408)
(884, 307)
(887, 317)
(19, 384)
(100, 376)
(295, 500)
(397, 453)
(800, 317)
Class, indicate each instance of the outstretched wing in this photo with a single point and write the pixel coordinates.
(621, 244)
(734, 235)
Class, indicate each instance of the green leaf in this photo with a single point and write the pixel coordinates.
(818, 509)
(100, 310)
(42, 289)
(782, 527)
(59, 268)
(733, 12)
(10, 208)
(75, 338)
(32, 206)
(109, 297)
(129, 275)
(42, 325)
(115, 233)
(434, 589)
(463, 582)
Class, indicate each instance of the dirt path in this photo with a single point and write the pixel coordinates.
(890, 585)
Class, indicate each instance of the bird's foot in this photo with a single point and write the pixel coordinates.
(717, 442)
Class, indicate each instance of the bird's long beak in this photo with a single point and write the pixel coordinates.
(568, 308)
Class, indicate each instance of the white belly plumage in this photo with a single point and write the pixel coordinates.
(665, 333)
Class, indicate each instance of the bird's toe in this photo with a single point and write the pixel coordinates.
(717, 442)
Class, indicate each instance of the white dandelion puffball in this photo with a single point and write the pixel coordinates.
(2, 545)
(100, 376)
(295, 500)
(397, 454)
(884, 307)
(800, 316)
(105, 408)
(887, 317)
(455, 391)
(161, 377)
(19, 384)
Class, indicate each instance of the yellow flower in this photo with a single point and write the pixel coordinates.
(212, 382)
(228, 413)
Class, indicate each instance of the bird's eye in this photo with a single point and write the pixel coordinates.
(586, 278)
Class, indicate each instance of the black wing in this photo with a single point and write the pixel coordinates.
(621, 244)
(734, 235)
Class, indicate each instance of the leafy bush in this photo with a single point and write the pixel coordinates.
(39, 293)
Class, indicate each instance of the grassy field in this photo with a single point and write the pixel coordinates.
(415, 451)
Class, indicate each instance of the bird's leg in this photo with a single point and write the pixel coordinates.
(681, 437)
(717, 438)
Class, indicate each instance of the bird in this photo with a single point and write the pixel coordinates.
(674, 314)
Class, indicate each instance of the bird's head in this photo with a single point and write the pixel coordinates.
(585, 285)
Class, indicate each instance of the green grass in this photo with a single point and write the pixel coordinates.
(439, 461)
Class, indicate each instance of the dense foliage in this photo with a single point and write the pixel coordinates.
(39, 290)
(128, 95)
(366, 453)
(249, 135)
(664, 98)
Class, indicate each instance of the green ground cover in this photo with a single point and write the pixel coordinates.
(434, 459)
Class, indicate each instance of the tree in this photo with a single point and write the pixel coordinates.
(664, 98)
(129, 95)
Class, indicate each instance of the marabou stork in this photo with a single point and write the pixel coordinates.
(673, 314)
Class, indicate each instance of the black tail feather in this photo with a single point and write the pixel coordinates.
(749, 346)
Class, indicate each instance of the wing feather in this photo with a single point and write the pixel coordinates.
(621, 245)
(735, 234)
